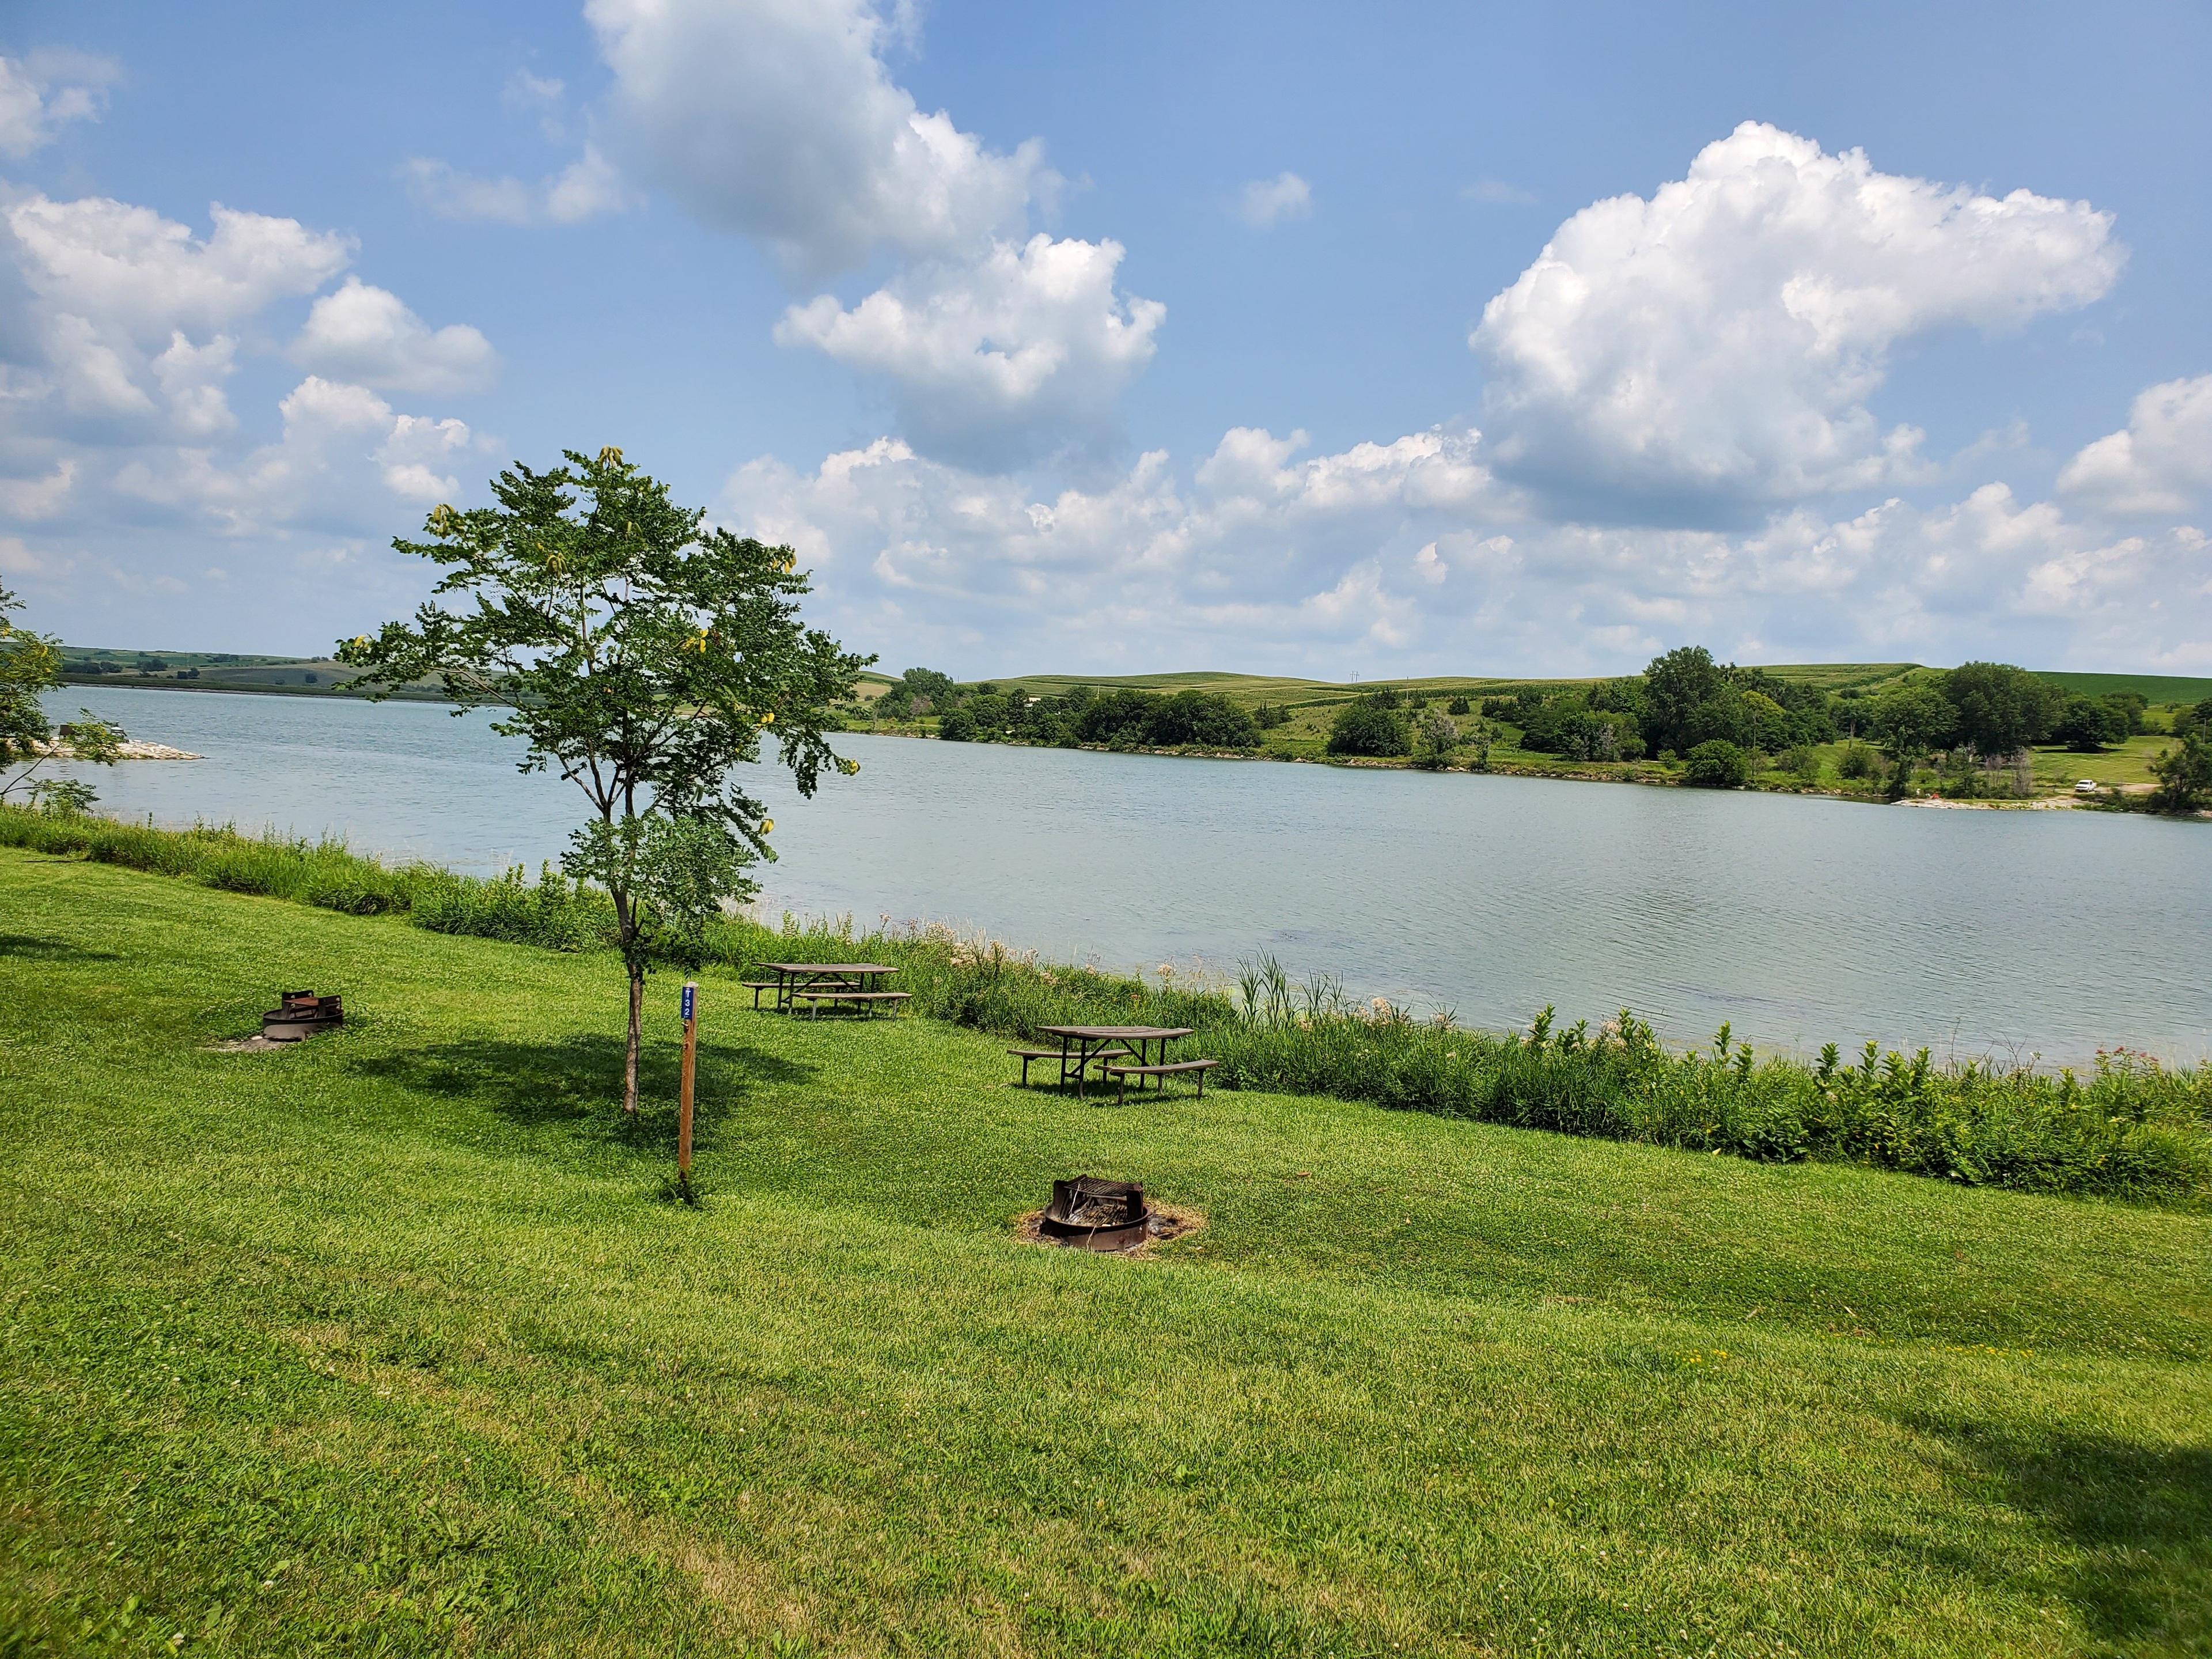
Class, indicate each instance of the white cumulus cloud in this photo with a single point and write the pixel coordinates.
(1265, 202)
(2160, 462)
(130, 269)
(1027, 347)
(368, 335)
(1700, 355)
(43, 93)
(779, 118)
(345, 458)
(121, 332)
(1410, 553)
(119, 319)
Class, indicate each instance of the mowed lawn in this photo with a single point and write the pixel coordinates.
(391, 1345)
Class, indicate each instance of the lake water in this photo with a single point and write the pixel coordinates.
(1801, 921)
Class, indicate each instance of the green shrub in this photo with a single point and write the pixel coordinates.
(1718, 764)
(1373, 726)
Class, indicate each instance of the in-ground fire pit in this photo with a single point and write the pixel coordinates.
(1092, 1213)
(300, 1014)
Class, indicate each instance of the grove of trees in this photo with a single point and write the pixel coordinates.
(1123, 719)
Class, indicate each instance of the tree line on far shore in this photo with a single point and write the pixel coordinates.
(1977, 722)
(1719, 722)
(1123, 718)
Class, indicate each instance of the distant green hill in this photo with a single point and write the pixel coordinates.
(207, 670)
(1249, 689)
(2152, 688)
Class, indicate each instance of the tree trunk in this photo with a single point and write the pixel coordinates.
(629, 1053)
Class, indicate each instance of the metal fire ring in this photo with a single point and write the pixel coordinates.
(1090, 1213)
(300, 1014)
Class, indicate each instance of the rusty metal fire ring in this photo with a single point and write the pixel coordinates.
(1090, 1213)
(299, 1015)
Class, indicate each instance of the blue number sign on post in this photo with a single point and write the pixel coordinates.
(691, 999)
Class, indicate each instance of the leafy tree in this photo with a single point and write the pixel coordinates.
(1565, 726)
(1622, 696)
(1435, 737)
(2128, 708)
(1115, 717)
(957, 726)
(1856, 760)
(2184, 772)
(1770, 724)
(2001, 708)
(1912, 719)
(1458, 706)
(2087, 723)
(1803, 762)
(1200, 717)
(1129, 717)
(1370, 726)
(1268, 717)
(1481, 734)
(930, 684)
(1717, 763)
(644, 657)
(30, 664)
(919, 691)
(2196, 719)
(1677, 686)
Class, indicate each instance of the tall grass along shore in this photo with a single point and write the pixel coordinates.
(2131, 1128)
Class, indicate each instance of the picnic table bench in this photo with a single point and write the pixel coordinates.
(1159, 1074)
(834, 982)
(1083, 1046)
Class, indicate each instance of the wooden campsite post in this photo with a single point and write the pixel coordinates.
(684, 1097)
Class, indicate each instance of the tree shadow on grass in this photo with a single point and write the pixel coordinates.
(2141, 1515)
(51, 950)
(575, 1084)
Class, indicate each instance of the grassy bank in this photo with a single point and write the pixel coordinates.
(385, 1344)
(2132, 1129)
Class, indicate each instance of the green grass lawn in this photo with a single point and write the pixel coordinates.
(389, 1344)
(2125, 764)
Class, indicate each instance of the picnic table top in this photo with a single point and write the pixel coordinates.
(1116, 1031)
(828, 968)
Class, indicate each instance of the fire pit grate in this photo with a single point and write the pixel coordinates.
(300, 1014)
(1090, 1213)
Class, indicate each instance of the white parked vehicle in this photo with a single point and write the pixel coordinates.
(2086, 786)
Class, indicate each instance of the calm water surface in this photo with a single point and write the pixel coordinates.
(1801, 921)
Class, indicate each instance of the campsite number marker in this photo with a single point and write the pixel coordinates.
(683, 1098)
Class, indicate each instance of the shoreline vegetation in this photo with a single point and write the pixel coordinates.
(2133, 1128)
(1985, 735)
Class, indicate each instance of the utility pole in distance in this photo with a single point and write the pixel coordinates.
(684, 1094)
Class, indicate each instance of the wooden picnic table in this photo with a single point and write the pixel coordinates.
(1080, 1045)
(816, 981)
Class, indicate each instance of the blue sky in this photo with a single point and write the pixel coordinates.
(1283, 338)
